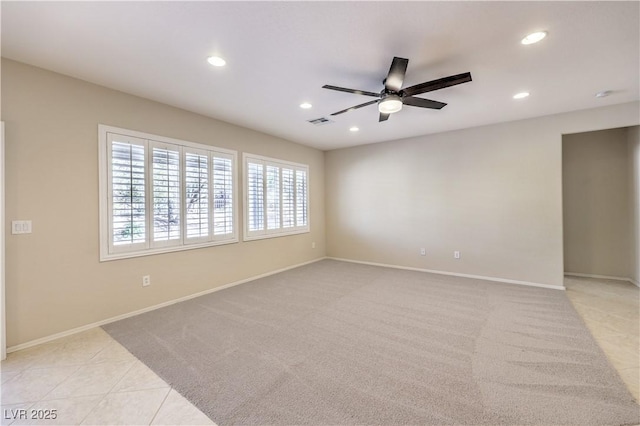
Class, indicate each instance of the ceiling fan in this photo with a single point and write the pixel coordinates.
(393, 96)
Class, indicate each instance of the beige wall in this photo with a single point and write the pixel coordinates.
(494, 193)
(595, 176)
(634, 202)
(54, 281)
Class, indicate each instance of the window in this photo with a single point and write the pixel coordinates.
(159, 194)
(276, 197)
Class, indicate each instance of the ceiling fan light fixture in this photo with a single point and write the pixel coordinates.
(534, 37)
(390, 104)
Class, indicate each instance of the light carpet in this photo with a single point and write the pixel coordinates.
(342, 343)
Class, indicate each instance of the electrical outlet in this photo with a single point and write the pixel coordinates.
(456, 254)
(423, 252)
(313, 245)
(146, 280)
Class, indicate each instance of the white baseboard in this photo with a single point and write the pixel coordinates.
(602, 277)
(150, 308)
(455, 274)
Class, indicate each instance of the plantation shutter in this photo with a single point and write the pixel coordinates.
(196, 178)
(166, 194)
(159, 195)
(288, 198)
(276, 197)
(273, 197)
(255, 196)
(301, 198)
(223, 195)
(127, 201)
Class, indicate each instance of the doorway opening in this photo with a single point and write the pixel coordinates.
(601, 232)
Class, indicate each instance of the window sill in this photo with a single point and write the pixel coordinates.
(275, 235)
(149, 252)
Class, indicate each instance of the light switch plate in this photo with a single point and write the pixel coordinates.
(21, 227)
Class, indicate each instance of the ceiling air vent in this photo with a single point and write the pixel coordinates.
(320, 121)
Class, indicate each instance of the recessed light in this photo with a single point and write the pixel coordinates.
(216, 61)
(354, 129)
(534, 37)
(305, 105)
(603, 94)
(521, 95)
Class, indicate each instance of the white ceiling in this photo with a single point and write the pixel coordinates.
(279, 54)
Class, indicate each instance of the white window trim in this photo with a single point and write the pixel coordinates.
(106, 252)
(266, 233)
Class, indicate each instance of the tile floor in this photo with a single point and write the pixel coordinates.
(89, 378)
(610, 309)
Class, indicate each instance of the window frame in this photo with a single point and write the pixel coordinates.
(107, 250)
(279, 232)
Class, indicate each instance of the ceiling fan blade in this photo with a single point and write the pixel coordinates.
(355, 107)
(440, 83)
(394, 79)
(383, 117)
(357, 92)
(423, 103)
